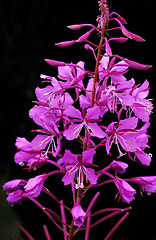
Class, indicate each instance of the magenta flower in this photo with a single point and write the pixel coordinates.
(51, 104)
(100, 99)
(147, 184)
(77, 165)
(115, 95)
(118, 166)
(14, 185)
(28, 154)
(53, 95)
(108, 69)
(126, 192)
(34, 185)
(142, 140)
(124, 134)
(78, 214)
(72, 76)
(15, 197)
(142, 108)
(51, 138)
(144, 157)
(88, 121)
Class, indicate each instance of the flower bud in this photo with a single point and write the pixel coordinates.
(55, 63)
(137, 38)
(84, 37)
(65, 44)
(79, 26)
(137, 65)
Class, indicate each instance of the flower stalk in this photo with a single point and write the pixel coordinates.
(98, 58)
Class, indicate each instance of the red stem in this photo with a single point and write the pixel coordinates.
(97, 64)
(63, 219)
(46, 232)
(116, 226)
(25, 232)
(88, 224)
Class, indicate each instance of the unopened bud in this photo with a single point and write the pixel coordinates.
(65, 44)
(137, 65)
(55, 63)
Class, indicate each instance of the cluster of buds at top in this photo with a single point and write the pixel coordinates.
(100, 93)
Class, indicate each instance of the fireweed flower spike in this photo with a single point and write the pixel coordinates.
(95, 109)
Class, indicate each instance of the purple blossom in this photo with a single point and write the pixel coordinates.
(77, 165)
(50, 106)
(142, 107)
(28, 154)
(53, 95)
(15, 197)
(116, 71)
(126, 192)
(13, 185)
(78, 214)
(72, 76)
(88, 121)
(118, 166)
(147, 184)
(115, 95)
(34, 185)
(50, 138)
(100, 98)
(124, 134)
(142, 140)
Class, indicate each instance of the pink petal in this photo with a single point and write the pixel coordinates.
(70, 157)
(144, 158)
(88, 155)
(129, 123)
(96, 130)
(73, 112)
(23, 144)
(65, 73)
(91, 176)
(68, 178)
(72, 131)
(40, 141)
(93, 113)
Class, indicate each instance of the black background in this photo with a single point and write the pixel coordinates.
(28, 32)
